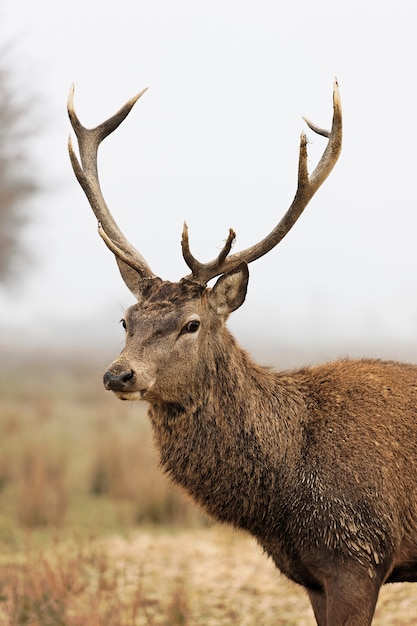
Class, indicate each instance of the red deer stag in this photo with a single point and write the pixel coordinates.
(319, 464)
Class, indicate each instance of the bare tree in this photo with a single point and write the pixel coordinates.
(17, 182)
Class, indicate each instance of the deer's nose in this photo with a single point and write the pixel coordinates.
(118, 381)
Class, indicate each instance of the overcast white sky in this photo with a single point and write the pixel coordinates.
(214, 141)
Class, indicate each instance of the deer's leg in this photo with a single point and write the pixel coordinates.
(347, 599)
(318, 602)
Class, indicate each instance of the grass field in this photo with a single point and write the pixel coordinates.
(91, 533)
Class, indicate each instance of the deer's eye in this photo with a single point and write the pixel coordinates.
(123, 323)
(191, 327)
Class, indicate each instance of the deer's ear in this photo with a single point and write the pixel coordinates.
(130, 276)
(140, 287)
(229, 293)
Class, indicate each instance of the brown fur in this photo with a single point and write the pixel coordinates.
(319, 464)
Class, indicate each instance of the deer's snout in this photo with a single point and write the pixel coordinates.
(118, 381)
(127, 383)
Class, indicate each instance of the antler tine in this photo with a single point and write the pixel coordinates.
(202, 272)
(306, 188)
(86, 172)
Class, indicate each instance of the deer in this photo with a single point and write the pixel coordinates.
(319, 463)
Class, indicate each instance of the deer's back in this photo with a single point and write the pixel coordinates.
(367, 398)
(362, 419)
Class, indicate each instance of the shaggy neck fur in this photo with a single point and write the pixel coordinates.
(213, 445)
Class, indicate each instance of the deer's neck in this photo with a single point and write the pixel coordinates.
(228, 445)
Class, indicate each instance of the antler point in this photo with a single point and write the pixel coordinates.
(138, 95)
(70, 100)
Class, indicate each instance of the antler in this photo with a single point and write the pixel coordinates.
(89, 140)
(87, 175)
(307, 187)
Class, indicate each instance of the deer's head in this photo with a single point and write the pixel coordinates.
(174, 324)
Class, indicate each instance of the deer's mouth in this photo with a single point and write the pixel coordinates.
(144, 395)
(130, 395)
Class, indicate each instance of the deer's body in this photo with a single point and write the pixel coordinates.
(320, 470)
(319, 464)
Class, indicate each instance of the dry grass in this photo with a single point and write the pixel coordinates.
(43, 495)
(83, 506)
(207, 577)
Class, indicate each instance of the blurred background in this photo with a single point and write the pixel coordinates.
(214, 141)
